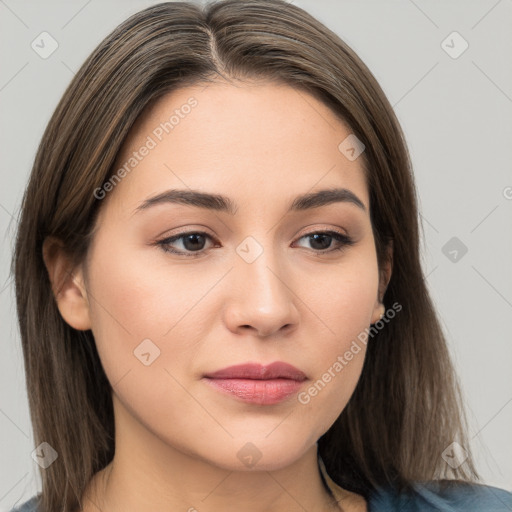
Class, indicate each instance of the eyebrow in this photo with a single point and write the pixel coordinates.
(222, 203)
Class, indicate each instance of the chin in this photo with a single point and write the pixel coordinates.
(257, 452)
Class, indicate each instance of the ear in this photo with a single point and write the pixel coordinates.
(384, 277)
(67, 285)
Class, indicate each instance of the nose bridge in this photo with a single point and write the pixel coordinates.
(258, 266)
(265, 299)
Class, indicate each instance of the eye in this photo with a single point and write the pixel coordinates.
(193, 242)
(322, 241)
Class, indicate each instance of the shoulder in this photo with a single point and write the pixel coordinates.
(442, 496)
(28, 506)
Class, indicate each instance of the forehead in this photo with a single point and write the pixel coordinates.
(255, 142)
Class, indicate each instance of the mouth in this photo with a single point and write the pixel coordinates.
(258, 384)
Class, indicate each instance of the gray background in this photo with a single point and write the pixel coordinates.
(456, 114)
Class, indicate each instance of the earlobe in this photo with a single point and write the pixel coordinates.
(67, 285)
(384, 278)
(378, 312)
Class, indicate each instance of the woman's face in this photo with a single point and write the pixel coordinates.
(251, 283)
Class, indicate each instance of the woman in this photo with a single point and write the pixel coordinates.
(220, 238)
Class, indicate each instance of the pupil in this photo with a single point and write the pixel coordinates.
(321, 237)
(194, 245)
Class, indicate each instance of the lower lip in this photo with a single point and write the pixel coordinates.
(263, 392)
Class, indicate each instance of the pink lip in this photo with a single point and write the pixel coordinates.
(258, 384)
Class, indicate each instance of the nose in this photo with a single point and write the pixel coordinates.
(262, 298)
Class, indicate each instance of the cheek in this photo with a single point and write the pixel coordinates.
(344, 309)
(339, 360)
(138, 319)
(137, 308)
(343, 295)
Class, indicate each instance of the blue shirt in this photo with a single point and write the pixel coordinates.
(431, 497)
(428, 497)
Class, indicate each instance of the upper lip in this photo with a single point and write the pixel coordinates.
(276, 370)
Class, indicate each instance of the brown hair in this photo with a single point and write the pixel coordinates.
(407, 406)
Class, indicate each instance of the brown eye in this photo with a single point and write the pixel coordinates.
(321, 241)
(192, 242)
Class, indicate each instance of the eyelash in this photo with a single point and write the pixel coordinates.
(345, 241)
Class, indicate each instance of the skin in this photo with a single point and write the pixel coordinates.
(177, 439)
